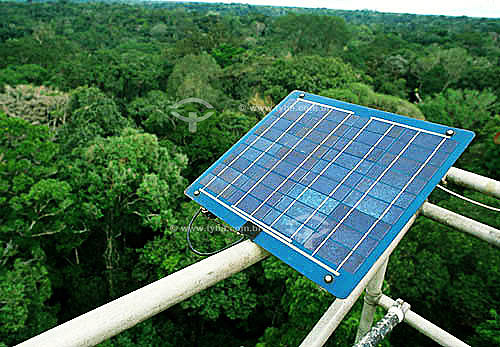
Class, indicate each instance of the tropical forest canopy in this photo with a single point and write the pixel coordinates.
(93, 165)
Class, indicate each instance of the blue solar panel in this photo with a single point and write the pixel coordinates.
(330, 184)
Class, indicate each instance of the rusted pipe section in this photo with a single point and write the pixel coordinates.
(393, 317)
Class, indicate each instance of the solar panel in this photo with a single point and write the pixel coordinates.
(329, 184)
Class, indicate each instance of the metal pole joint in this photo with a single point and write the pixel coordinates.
(394, 316)
(372, 298)
(399, 309)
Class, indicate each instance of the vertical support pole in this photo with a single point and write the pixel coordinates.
(372, 294)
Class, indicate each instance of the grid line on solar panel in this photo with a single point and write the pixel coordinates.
(286, 155)
(279, 137)
(230, 173)
(329, 165)
(410, 127)
(280, 238)
(244, 215)
(279, 149)
(262, 187)
(346, 177)
(300, 165)
(364, 194)
(359, 193)
(281, 115)
(219, 181)
(328, 106)
(387, 209)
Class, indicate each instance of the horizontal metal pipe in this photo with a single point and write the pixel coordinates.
(331, 319)
(457, 221)
(108, 320)
(474, 181)
(424, 326)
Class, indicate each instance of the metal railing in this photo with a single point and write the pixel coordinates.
(123, 313)
(473, 181)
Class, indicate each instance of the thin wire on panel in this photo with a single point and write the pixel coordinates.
(467, 199)
(204, 254)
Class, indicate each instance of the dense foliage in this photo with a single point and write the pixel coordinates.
(93, 163)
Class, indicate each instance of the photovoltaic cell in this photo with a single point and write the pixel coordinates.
(329, 184)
